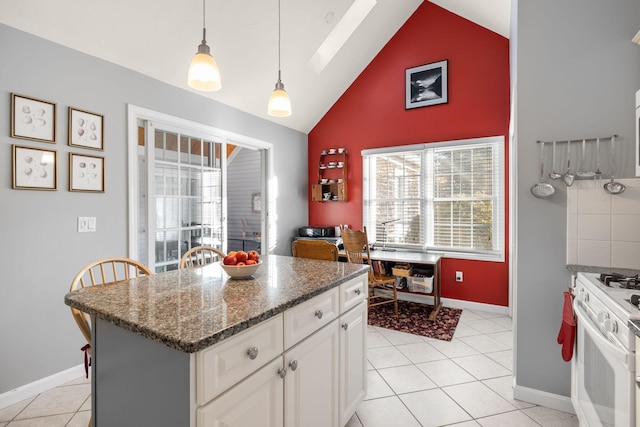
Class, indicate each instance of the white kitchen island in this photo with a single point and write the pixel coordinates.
(195, 348)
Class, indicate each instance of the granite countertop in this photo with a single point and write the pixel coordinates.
(192, 309)
(599, 270)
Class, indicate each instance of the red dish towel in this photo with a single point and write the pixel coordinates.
(567, 334)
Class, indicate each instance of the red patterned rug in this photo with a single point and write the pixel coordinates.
(413, 319)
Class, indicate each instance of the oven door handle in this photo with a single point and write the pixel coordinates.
(617, 351)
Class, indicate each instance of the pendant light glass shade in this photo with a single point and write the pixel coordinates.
(204, 74)
(279, 103)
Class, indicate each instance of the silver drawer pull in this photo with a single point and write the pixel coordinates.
(319, 314)
(252, 352)
(345, 326)
(293, 365)
(282, 372)
(357, 291)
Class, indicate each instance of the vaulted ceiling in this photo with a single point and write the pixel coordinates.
(159, 37)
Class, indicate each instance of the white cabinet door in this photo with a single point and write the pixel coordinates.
(353, 353)
(311, 384)
(255, 402)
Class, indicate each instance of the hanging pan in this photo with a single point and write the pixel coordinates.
(613, 187)
(542, 189)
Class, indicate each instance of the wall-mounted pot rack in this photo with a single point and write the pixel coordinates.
(589, 140)
(579, 163)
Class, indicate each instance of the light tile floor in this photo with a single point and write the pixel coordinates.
(465, 382)
(412, 381)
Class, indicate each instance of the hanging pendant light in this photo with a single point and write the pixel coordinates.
(279, 103)
(204, 74)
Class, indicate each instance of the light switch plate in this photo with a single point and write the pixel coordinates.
(86, 224)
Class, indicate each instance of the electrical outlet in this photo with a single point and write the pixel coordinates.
(458, 276)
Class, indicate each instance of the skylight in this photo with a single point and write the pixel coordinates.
(340, 34)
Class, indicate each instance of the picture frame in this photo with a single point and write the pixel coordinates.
(256, 202)
(34, 168)
(427, 85)
(86, 173)
(86, 129)
(33, 119)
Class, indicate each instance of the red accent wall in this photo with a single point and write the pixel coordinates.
(371, 114)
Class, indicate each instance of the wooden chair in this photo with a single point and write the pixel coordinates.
(200, 256)
(316, 249)
(99, 272)
(356, 246)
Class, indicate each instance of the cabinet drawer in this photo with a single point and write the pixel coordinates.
(256, 401)
(306, 318)
(352, 292)
(226, 363)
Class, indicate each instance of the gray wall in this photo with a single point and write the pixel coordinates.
(243, 173)
(41, 250)
(577, 73)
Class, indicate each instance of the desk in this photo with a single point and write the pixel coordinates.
(422, 258)
(250, 239)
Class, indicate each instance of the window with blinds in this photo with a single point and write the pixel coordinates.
(438, 196)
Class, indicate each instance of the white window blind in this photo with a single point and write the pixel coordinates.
(438, 196)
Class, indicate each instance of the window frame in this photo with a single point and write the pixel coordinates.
(427, 150)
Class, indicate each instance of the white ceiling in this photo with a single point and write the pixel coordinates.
(159, 37)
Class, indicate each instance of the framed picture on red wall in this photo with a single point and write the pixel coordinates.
(426, 85)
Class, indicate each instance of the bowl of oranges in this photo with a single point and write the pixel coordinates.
(241, 264)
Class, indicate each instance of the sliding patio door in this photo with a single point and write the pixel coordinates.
(181, 189)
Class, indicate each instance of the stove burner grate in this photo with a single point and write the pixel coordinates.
(627, 282)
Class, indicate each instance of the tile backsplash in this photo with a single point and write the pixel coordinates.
(603, 230)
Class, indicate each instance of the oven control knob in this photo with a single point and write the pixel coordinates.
(611, 325)
(585, 295)
(602, 316)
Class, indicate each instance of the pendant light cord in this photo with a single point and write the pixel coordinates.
(203, 14)
(278, 39)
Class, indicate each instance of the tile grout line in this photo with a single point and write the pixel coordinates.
(452, 359)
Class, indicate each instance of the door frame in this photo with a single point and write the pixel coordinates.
(195, 129)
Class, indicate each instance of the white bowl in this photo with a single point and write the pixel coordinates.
(240, 271)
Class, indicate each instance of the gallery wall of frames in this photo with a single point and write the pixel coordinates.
(36, 167)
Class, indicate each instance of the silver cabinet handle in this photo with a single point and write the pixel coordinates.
(319, 314)
(357, 291)
(345, 326)
(282, 372)
(252, 353)
(293, 365)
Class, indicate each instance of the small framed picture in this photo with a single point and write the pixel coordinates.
(34, 168)
(86, 173)
(426, 85)
(86, 129)
(33, 119)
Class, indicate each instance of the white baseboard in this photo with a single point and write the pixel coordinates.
(449, 302)
(32, 389)
(542, 398)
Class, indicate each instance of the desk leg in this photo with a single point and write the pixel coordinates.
(437, 304)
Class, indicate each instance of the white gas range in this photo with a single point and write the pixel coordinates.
(603, 366)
